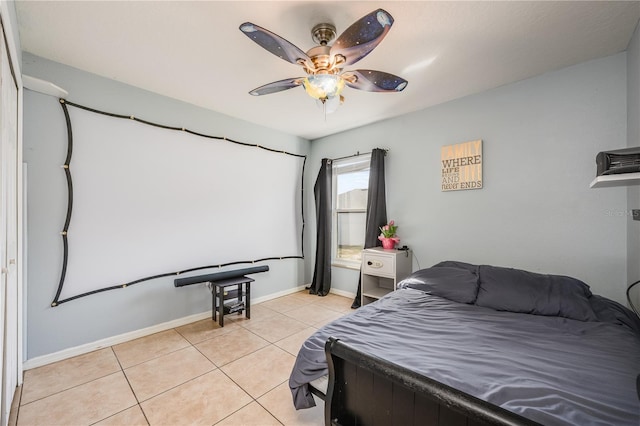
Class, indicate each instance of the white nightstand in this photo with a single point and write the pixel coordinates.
(382, 270)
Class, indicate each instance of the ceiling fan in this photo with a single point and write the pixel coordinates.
(324, 64)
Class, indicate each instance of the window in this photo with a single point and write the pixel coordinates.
(350, 190)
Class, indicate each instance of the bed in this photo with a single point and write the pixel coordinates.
(496, 345)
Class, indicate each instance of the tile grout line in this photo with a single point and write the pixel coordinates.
(66, 389)
(219, 367)
(253, 399)
(225, 374)
(130, 387)
(237, 384)
(267, 410)
(179, 384)
(154, 357)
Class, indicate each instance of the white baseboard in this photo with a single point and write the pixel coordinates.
(278, 294)
(343, 293)
(125, 337)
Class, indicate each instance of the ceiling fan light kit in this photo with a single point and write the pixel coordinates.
(324, 64)
(323, 86)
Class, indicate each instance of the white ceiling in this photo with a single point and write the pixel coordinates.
(194, 52)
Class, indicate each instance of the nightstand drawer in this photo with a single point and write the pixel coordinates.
(378, 265)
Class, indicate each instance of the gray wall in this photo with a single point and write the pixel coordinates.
(114, 312)
(633, 139)
(536, 210)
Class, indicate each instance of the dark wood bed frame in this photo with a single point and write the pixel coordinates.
(366, 390)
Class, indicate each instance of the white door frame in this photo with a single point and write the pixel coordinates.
(12, 376)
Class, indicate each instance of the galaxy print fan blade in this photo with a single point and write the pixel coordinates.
(363, 36)
(374, 81)
(274, 43)
(277, 86)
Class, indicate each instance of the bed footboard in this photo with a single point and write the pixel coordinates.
(366, 390)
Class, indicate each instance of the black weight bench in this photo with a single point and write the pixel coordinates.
(219, 282)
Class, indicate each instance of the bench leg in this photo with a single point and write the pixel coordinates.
(247, 300)
(213, 303)
(221, 306)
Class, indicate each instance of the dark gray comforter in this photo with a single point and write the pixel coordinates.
(551, 369)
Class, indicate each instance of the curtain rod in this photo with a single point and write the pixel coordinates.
(357, 154)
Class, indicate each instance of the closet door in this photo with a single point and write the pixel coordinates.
(9, 229)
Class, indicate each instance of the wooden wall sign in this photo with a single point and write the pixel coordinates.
(462, 166)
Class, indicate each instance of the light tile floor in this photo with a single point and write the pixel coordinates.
(197, 374)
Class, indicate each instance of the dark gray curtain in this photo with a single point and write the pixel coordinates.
(322, 192)
(376, 208)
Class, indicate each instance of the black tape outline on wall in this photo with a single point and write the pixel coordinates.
(67, 170)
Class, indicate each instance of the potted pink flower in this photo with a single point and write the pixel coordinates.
(388, 235)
